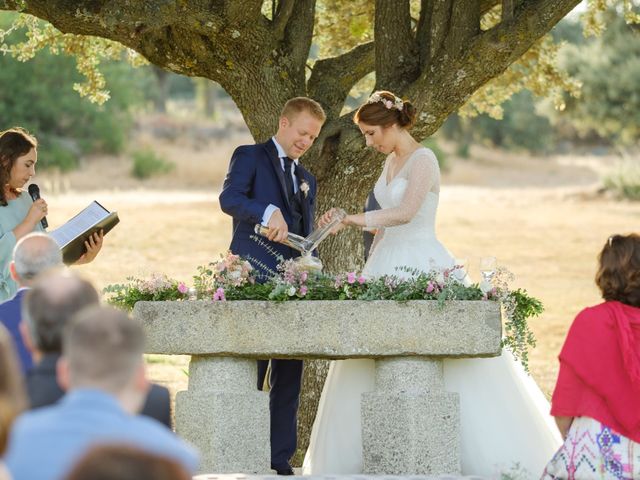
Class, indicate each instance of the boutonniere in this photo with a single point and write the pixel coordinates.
(304, 188)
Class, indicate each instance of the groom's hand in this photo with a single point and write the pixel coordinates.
(278, 228)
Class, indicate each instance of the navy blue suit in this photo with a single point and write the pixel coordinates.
(10, 315)
(255, 180)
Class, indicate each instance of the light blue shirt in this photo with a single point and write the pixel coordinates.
(10, 217)
(46, 443)
(266, 216)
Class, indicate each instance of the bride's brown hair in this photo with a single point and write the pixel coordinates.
(385, 109)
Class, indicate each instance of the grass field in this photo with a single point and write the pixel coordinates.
(540, 217)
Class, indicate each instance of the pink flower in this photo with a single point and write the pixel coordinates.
(361, 280)
(430, 287)
(182, 288)
(303, 290)
(218, 296)
(351, 277)
(304, 276)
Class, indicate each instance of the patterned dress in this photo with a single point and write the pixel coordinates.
(593, 450)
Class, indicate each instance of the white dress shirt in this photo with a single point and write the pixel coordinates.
(266, 216)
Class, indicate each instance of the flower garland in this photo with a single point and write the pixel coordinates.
(233, 278)
(397, 103)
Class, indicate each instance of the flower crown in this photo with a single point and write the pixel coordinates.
(397, 103)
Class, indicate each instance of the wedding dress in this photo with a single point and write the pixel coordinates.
(505, 424)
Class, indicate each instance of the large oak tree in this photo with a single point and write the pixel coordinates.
(437, 53)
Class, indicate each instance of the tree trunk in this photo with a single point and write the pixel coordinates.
(342, 187)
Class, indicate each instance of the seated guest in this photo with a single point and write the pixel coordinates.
(33, 254)
(12, 396)
(46, 310)
(103, 371)
(596, 401)
(112, 462)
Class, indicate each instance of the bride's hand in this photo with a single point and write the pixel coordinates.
(325, 218)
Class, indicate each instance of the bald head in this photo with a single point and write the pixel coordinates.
(50, 304)
(33, 254)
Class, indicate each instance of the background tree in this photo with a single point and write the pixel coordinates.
(438, 53)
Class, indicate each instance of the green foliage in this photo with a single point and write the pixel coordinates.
(57, 155)
(520, 127)
(34, 96)
(157, 288)
(609, 69)
(147, 163)
(624, 180)
(232, 278)
(517, 335)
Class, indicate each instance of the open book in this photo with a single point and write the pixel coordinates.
(72, 235)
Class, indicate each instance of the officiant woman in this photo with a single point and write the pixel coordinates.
(19, 214)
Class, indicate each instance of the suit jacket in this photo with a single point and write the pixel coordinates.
(43, 390)
(10, 316)
(370, 205)
(255, 179)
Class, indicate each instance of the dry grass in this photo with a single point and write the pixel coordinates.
(537, 216)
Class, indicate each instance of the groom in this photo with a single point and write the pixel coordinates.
(267, 184)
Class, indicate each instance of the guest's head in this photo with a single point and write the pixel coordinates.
(33, 254)
(119, 462)
(383, 118)
(49, 305)
(102, 349)
(18, 157)
(299, 125)
(618, 274)
(12, 395)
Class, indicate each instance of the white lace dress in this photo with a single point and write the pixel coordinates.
(505, 424)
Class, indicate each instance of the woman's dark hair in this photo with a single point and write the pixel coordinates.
(385, 109)
(14, 143)
(120, 462)
(618, 276)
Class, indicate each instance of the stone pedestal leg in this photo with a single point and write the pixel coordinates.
(410, 425)
(225, 416)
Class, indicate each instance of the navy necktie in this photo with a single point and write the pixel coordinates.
(288, 179)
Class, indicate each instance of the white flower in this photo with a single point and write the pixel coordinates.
(440, 277)
(304, 188)
(292, 291)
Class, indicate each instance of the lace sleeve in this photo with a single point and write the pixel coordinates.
(423, 176)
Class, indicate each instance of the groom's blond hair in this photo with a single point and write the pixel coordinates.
(297, 105)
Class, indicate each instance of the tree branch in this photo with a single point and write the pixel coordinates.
(282, 16)
(508, 10)
(423, 32)
(396, 62)
(465, 24)
(333, 78)
(440, 23)
(488, 55)
(297, 40)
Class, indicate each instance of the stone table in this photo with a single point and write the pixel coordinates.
(410, 424)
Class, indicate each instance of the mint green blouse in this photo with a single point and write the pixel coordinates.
(10, 217)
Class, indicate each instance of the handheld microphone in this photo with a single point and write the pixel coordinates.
(34, 191)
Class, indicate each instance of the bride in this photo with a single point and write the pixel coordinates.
(505, 423)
